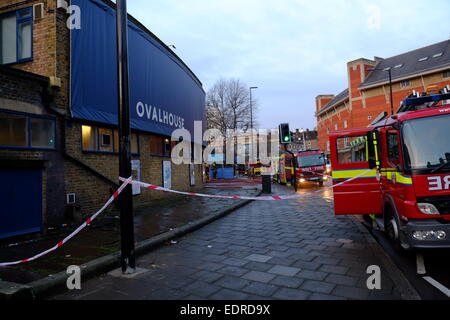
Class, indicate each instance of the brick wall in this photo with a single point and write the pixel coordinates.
(92, 191)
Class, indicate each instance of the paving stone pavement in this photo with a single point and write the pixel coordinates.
(292, 250)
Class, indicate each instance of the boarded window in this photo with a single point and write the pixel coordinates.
(156, 145)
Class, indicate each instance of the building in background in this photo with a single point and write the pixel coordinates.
(306, 139)
(368, 92)
(58, 113)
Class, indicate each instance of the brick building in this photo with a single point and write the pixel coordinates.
(368, 92)
(306, 139)
(60, 165)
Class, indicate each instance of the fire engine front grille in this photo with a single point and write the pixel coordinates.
(309, 173)
(442, 203)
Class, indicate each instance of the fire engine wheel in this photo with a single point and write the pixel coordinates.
(392, 230)
(321, 183)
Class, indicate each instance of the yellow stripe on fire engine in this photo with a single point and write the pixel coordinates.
(390, 173)
(348, 174)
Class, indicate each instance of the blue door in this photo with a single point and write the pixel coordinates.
(20, 201)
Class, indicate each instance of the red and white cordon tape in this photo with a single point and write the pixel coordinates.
(81, 227)
(265, 198)
(154, 187)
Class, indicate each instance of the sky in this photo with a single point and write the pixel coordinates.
(292, 50)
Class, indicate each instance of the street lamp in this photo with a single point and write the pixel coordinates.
(251, 117)
(304, 141)
(389, 70)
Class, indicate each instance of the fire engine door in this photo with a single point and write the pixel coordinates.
(350, 159)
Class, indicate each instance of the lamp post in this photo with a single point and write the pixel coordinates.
(126, 199)
(251, 117)
(304, 138)
(389, 70)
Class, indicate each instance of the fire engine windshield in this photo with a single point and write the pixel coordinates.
(311, 160)
(427, 143)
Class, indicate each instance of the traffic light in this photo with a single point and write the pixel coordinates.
(285, 133)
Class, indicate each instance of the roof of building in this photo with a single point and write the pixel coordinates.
(151, 34)
(338, 99)
(411, 63)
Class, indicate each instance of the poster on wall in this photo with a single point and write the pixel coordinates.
(136, 173)
(192, 174)
(167, 174)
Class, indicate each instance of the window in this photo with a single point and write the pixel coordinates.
(38, 11)
(166, 145)
(89, 137)
(352, 149)
(398, 66)
(19, 130)
(335, 126)
(446, 74)
(405, 84)
(16, 36)
(156, 145)
(160, 146)
(13, 130)
(346, 142)
(42, 133)
(423, 59)
(104, 140)
(393, 149)
(437, 55)
(345, 124)
(369, 117)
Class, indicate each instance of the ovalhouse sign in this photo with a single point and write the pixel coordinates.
(152, 113)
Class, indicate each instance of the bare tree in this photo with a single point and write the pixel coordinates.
(228, 106)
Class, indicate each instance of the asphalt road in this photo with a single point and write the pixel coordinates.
(435, 263)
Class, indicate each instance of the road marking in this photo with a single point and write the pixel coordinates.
(420, 264)
(438, 286)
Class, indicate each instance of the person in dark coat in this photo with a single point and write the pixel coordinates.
(214, 170)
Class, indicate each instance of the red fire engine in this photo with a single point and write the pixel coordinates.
(402, 165)
(311, 166)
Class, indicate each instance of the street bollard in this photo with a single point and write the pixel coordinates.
(266, 183)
